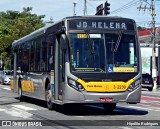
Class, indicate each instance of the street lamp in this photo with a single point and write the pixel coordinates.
(74, 8)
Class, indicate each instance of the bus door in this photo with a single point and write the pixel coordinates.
(59, 70)
(25, 81)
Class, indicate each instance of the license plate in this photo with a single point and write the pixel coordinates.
(146, 81)
(106, 100)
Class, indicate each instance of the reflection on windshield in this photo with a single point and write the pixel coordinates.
(86, 54)
(123, 54)
(103, 52)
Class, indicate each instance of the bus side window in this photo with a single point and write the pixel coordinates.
(20, 56)
(37, 55)
(50, 52)
(32, 56)
(43, 55)
(25, 60)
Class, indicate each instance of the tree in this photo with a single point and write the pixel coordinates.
(140, 28)
(14, 25)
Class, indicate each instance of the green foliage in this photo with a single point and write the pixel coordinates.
(140, 28)
(6, 60)
(14, 25)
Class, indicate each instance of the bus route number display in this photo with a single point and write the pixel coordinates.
(97, 24)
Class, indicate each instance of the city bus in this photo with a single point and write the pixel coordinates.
(80, 59)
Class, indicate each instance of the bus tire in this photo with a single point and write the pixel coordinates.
(48, 96)
(109, 107)
(20, 92)
(150, 89)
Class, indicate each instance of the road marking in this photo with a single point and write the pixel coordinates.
(154, 109)
(150, 98)
(18, 113)
(6, 88)
(80, 116)
(150, 102)
(151, 105)
(126, 128)
(2, 110)
(24, 107)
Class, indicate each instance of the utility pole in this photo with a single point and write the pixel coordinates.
(152, 8)
(74, 8)
(85, 7)
(154, 71)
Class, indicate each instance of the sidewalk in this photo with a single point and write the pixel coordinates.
(158, 88)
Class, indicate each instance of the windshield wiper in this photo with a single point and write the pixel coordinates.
(118, 41)
(90, 47)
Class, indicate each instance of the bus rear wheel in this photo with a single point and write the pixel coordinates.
(109, 107)
(49, 97)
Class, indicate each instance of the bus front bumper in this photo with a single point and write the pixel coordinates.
(73, 96)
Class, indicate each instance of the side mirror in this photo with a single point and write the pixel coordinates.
(63, 42)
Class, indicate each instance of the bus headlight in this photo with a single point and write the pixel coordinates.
(74, 84)
(134, 85)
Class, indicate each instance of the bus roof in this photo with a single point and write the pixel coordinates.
(99, 16)
(33, 34)
(43, 30)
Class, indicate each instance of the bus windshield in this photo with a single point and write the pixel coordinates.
(113, 52)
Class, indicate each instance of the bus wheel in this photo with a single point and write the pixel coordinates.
(150, 89)
(49, 97)
(20, 93)
(109, 107)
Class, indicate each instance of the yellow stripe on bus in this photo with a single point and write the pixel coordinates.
(27, 86)
(123, 69)
(105, 86)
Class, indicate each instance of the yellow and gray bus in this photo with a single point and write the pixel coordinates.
(82, 59)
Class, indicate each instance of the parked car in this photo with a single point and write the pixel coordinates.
(6, 76)
(147, 81)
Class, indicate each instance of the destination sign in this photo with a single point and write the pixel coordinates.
(99, 24)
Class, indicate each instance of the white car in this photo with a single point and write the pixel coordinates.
(6, 77)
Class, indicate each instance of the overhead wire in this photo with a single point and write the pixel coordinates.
(92, 7)
(126, 6)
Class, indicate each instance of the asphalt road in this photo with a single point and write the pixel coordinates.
(34, 112)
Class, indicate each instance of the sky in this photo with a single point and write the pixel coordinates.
(58, 9)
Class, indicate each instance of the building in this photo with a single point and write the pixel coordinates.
(145, 38)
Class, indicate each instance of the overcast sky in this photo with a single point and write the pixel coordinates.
(62, 8)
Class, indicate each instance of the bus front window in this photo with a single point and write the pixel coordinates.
(100, 52)
(87, 52)
(121, 52)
